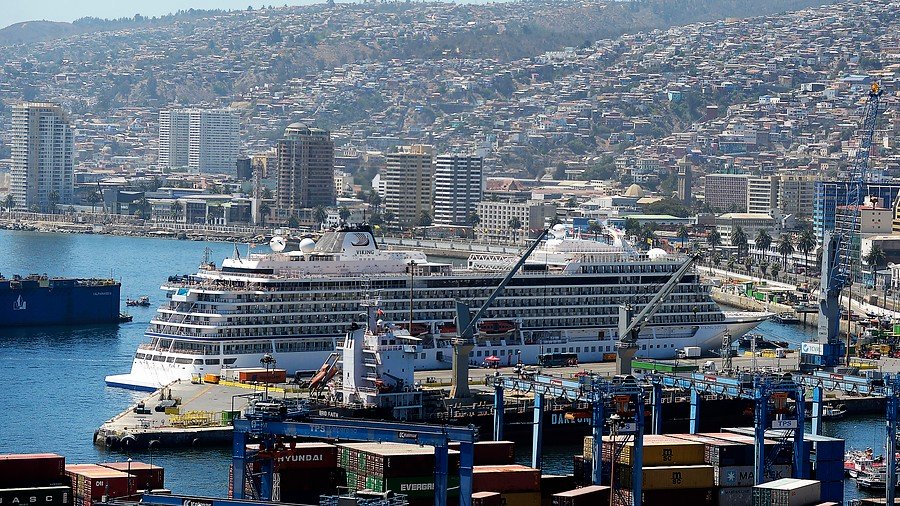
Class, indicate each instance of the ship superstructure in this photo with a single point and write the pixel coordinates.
(298, 301)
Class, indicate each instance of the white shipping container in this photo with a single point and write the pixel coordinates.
(692, 351)
(735, 496)
(788, 492)
(743, 476)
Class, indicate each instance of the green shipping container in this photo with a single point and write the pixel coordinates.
(415, 487)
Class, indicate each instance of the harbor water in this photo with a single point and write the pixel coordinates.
(55, 396)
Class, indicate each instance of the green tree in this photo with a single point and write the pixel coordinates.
(473, 219)
(344, 214)
(515, 224)
(785, 248)
(53, 198)
(293, 222)
(763, 241)
(730, 264)
(632, 227)
(424, 221)
(739, 240)
(93, 199)
(716, 259)
(10, 203)
(264, 212)
(683, 234)
(776, 268)
(806, 243)
(176, 207)
(389, 218)
(714, 239)
(320, 215)
(875, 257)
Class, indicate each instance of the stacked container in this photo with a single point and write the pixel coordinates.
(92, 483)
(828, 465)
(400, 468)
(490, 453)
(586, 496)
(787, 492)
(304, 471)
(517, 485)
(37, 478)
(146, 476)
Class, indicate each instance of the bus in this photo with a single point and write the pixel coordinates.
(557, 359)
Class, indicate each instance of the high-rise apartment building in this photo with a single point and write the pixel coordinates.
(762, 194)
(796, 194)
(457, 188)
(42, 156)
(204, 140)
(408, 176)
(305, 161)
(726, 192)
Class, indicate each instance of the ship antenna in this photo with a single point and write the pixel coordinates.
(237, 254)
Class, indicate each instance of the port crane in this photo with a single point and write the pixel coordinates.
(837, 263)
(630, 326)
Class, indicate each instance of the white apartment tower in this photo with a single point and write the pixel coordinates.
(204, 140)
(42, 156)
(457, 188)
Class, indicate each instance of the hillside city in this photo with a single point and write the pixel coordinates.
(433, 119)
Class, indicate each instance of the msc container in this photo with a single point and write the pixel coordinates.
(658, 451)
(668, 477)
(31, 469)
(504, 479)
(745, 476)
(91, 482)
(787, 492)
(147, 476)
(490, 453)
(59, 495)
(486, 499)
(307, 456)
(585, 496)
(688, 496)
(735, 496)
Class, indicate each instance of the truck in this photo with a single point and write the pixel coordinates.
(689, 352)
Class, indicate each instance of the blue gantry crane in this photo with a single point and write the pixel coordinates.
(837, 263)
(267, 426)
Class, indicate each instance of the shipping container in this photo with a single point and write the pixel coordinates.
(306, 485)
(503, 479)
(585, 496)
(735, 496)
(492, 453)
(520, 499)
(211, 378)
(667, 477)
(688, 497)
(59, 495)
(745, 476)
(658, 451)
(783, 457)
(31, 469)
(720, 452)
(832, 490)
(486, 499)
(255, 374)
(787, 492)
(391, 459)
(582, 470)
(587, 450)
(91, 482)
(147, 476)
(306, 456)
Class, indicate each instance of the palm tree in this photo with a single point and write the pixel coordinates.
(648, 235)
(739, 240)
(785, 248)
(806, 243)
(632, 227)
(763, 241)
(515, 224)
(142, 207)
(730, 264)
(10, 202)
(714, 239)
(473, 219)
(424, 222)
(763, 267)
(389, 217)
(176, 207)
(320, 215)
(264, 210)
(344, 214)
(716, 259)
(683, 234)
(53, 198)
(776, 268)
(93, 199)
(875, 258)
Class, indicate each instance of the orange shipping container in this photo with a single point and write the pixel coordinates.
(261, 375)
(669, 477)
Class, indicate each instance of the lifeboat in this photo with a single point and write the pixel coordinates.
(416, 329)
(496, 326)
(326, 372)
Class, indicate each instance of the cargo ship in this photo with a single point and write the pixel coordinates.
(40, 300)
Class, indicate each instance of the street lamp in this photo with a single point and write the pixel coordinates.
(267, 360)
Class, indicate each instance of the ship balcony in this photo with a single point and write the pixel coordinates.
(184, 295)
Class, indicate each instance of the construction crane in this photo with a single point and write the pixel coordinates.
(630, 326)
(837, 251)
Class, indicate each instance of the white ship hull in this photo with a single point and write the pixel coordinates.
(655, 343)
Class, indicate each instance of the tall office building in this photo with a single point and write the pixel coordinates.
(305, 160)
(204, 140)
(762, 194)
(408, 175)
(726, 192)
(42, 156)
(457, 188)
(685, 181)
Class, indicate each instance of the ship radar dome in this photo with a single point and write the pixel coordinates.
(657, 254)
(307, 245)
(558, 231)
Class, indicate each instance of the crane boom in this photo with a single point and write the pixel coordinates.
(643, 318)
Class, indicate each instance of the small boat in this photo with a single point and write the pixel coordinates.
(786, 318)
(858, 462)
(873, 479)
(833, 412)
(143, 301)
(125, 317)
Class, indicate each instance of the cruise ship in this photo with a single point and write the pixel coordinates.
(298, 301)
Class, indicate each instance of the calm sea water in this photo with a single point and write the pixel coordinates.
(54, 395)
